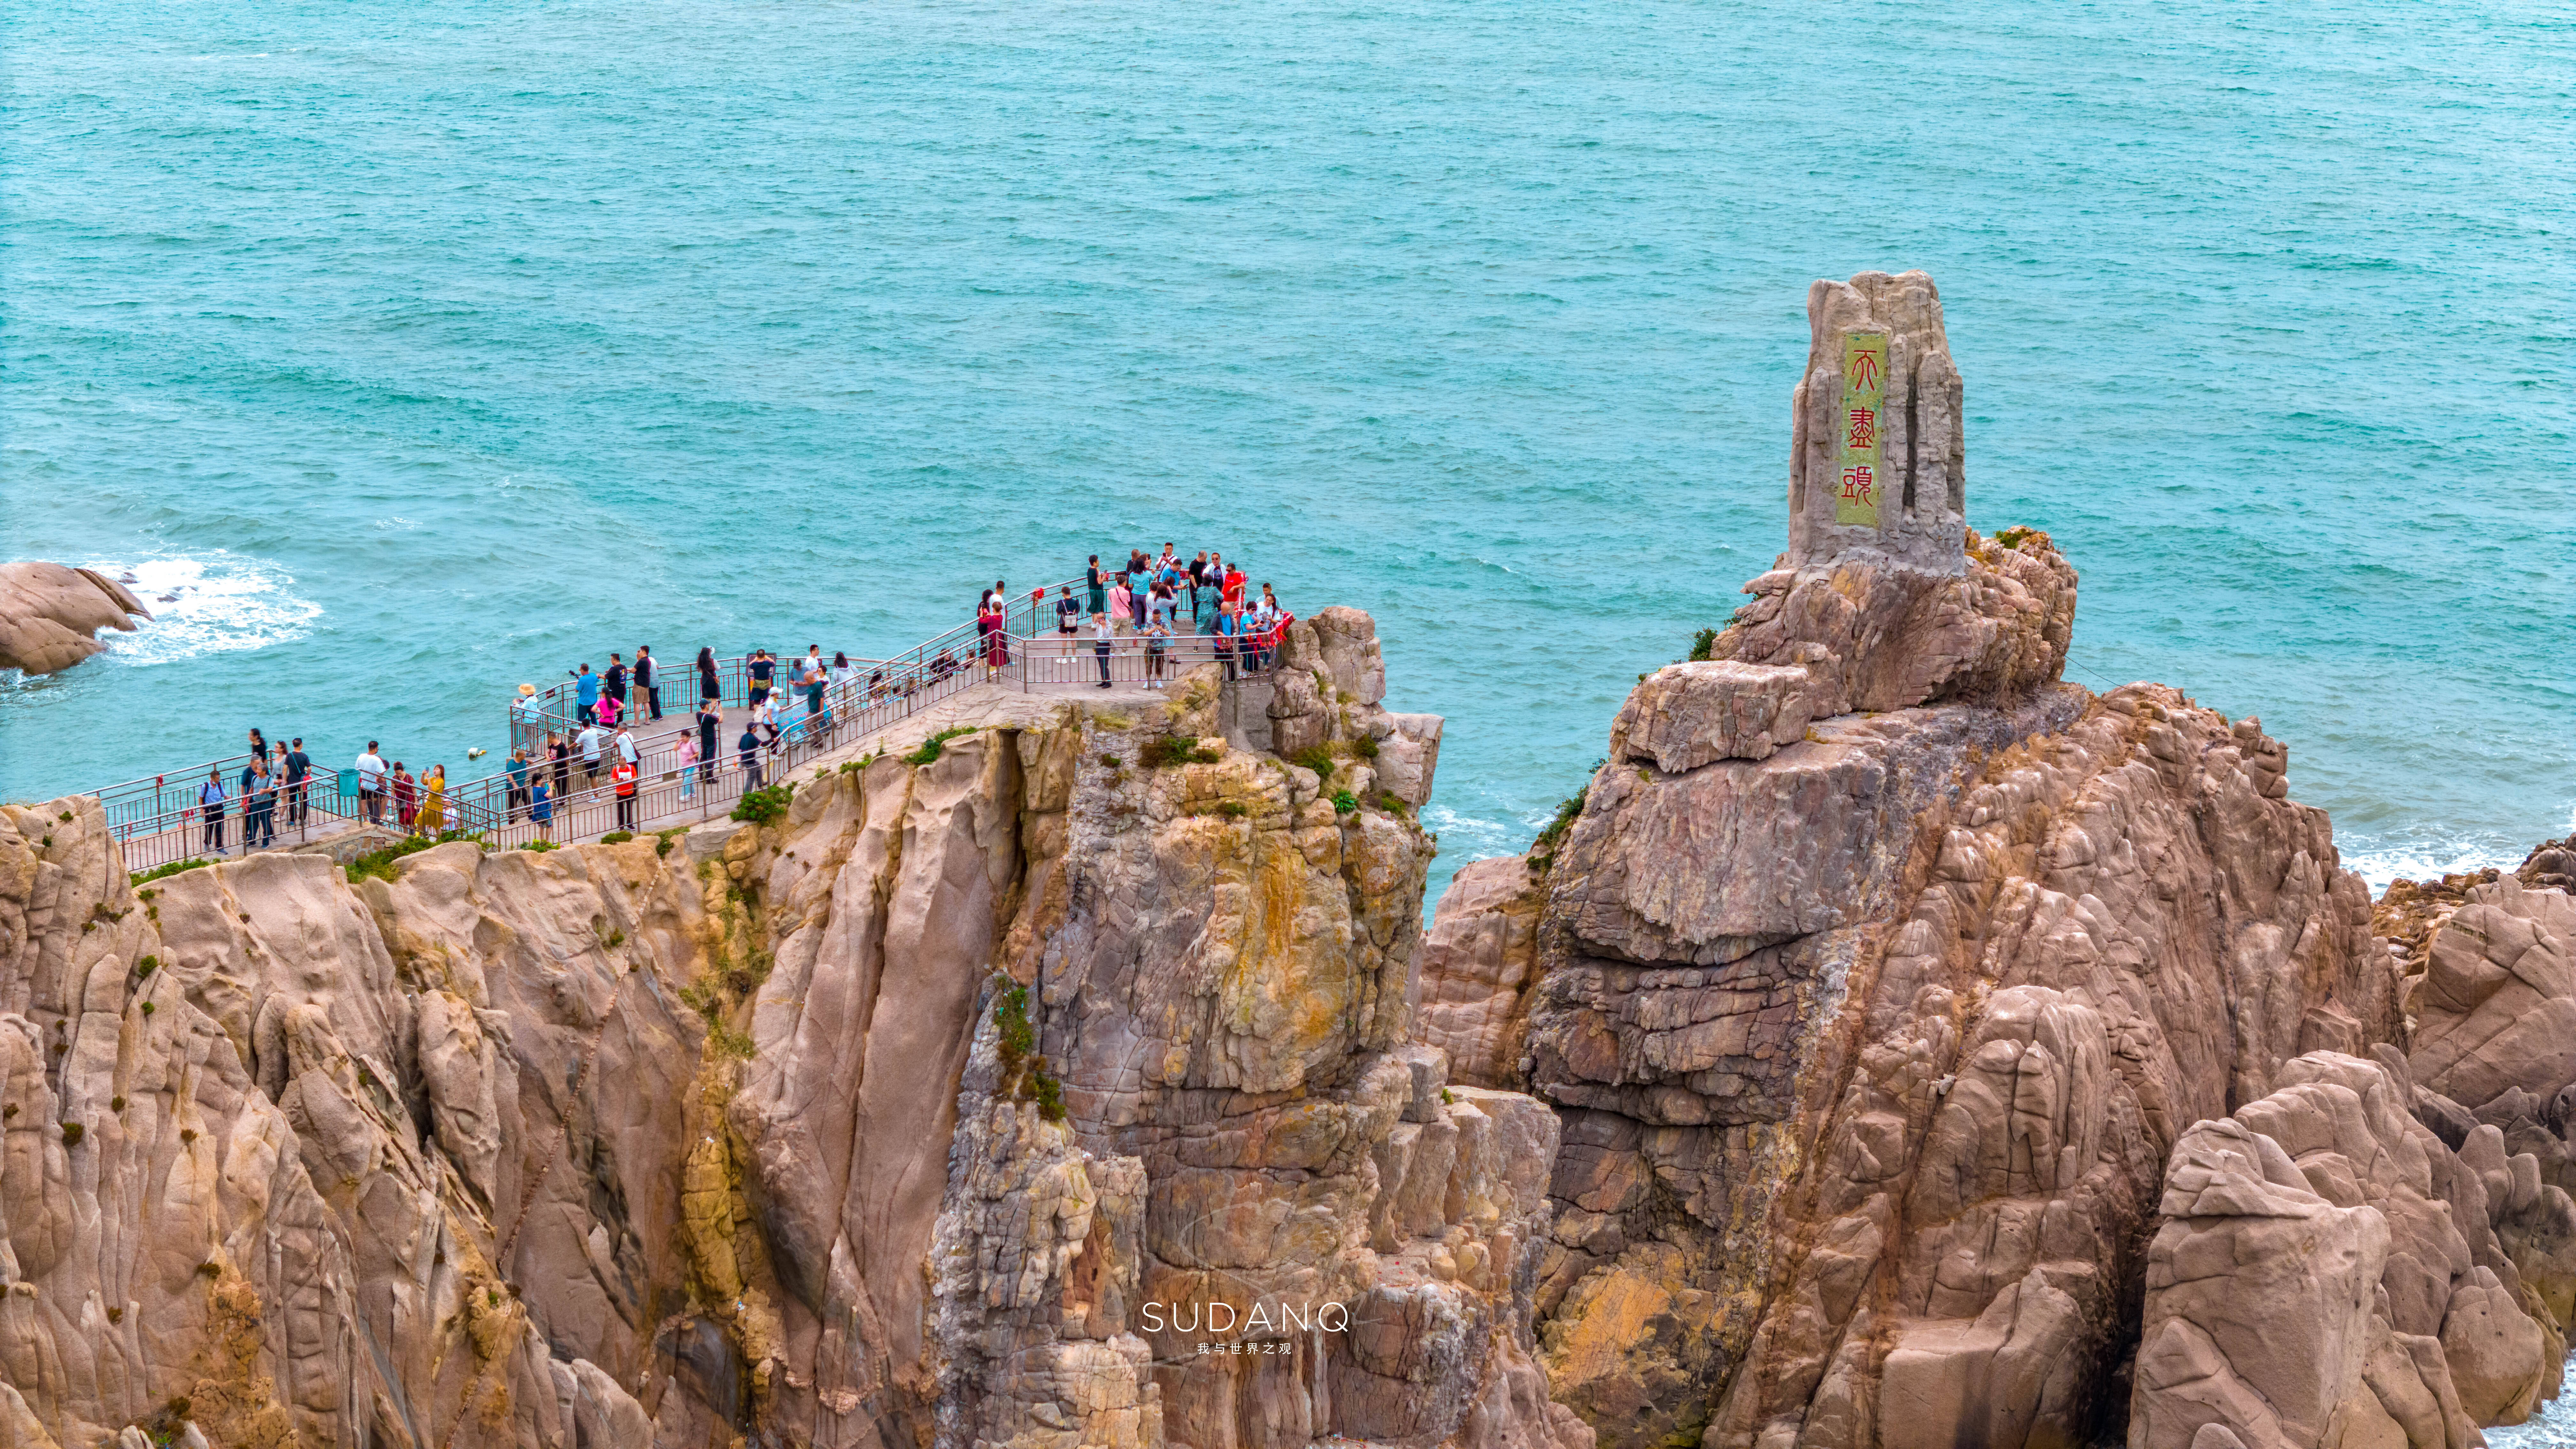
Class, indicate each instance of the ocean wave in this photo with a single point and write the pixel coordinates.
(207, 605)
(2378, 865)
(1467, 837)
(2554, 1427)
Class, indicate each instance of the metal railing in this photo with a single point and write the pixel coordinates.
(324, 803)
(158, 821)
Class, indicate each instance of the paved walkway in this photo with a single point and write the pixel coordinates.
(662, 807)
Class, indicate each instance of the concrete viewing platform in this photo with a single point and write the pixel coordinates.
(589, 811)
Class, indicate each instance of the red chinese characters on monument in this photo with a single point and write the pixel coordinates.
(1864, 409)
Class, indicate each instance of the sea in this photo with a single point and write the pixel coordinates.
(405, 353)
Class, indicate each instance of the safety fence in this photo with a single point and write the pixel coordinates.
(161, 820)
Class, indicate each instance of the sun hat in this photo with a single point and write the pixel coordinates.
(527, 689)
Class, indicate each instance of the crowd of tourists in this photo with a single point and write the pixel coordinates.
(1140, 605)
(274, 779)
(1145, 606)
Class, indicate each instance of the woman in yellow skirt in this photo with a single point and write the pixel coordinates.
(433, 803)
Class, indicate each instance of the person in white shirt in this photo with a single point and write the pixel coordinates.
(1101, 635)
(590, 739)
(626, 746)
(371, 784)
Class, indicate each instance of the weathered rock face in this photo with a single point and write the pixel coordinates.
(1880, 973)
(942, 1108)
(50, 614)
(2495, 1006)
(1218, 966)
(1873, 1054)
(1478, 962)
(2331, 1273)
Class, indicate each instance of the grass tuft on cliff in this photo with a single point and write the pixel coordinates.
(1175, 750)
(1024, 1073)
(380, 863)
(160, 871)
(931, 747)
(764, 806)
(1543, 849)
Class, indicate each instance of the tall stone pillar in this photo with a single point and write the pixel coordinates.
(1879, 463)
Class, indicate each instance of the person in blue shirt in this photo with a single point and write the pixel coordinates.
(586, 685)
(1227, 627)
(210, 800)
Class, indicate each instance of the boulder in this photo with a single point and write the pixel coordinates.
(50, 613)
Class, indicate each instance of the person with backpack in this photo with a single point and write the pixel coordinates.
(1068, 619)
(210, 804)
(760, 669)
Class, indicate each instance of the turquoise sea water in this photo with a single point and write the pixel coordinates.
(418, 351)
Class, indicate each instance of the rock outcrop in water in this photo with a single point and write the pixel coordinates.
(1893, 992)
(1045, 1085)
(50, 615)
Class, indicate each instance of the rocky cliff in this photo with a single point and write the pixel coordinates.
(1890, 987)
(1036, 1079)
(1891, 1045)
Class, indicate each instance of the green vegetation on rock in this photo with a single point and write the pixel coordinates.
(930, 748)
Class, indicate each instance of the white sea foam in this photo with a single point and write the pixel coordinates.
(2427, 861)
(1468, 837)
(207, 605)
(2554, 1427)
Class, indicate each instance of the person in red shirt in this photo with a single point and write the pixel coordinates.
(624, 775)
(1232, 593)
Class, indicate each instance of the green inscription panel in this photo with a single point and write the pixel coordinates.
(1859, 480)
